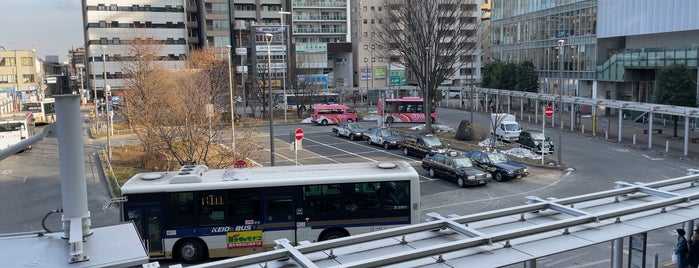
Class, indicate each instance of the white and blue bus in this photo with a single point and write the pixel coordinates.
(195, 213)
(16, 127)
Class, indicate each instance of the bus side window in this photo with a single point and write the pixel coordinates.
(396, 194)
(245, 210)
(183, 209)
(279, 211)
(351, 111)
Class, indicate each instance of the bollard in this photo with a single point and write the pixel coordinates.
(634, 139)
(583, 129)
(606, 134)
(667, 146)
(655, 261)
(529, 118)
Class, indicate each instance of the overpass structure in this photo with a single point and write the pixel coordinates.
(521, 234)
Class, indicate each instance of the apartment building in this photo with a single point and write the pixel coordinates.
(111, 26)
(21, 78)
(320, 36)
(376, 68)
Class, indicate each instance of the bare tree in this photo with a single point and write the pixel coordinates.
(180, 111)
(430, 36)
(144, 89)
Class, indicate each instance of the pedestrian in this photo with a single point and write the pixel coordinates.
(693, 255)
(681, 249)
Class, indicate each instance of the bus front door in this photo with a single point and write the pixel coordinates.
(148, 221)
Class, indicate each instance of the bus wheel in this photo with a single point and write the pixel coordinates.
(332, 234)
(190, 251)
(432, 119)
(389, 120)
(324, 122)
(349, 121)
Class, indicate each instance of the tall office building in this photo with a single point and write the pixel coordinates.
(635, 38)
(611, 49)
(530, 30)
(111, 26)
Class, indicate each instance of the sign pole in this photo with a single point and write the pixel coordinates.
(543, 128)
(298, 136)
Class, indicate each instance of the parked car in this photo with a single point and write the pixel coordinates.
(534, 140)
(422, 145)
(352, 130)
(456, 167)
(498, 165)
(386, 137)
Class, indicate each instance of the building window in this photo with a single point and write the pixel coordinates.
(27, 78)
(365, 21)
(27, 61)
(7, 61)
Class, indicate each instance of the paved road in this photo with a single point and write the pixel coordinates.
(596, 164)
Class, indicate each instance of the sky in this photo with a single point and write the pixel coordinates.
(51, 27)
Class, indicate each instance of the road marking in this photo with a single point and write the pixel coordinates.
(652, 158)
(499, 196)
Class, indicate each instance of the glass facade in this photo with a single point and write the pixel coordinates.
(529, 30)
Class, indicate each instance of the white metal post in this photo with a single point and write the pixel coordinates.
(230, 89)
(268, 38)
(281, 16)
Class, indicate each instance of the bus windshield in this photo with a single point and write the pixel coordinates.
(44, 111)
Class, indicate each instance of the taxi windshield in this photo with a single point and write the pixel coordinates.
(353, 125)
(432, 141)
(497, 157)
(462, 162)
(388, 132)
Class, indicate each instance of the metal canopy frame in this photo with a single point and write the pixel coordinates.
(540, 228)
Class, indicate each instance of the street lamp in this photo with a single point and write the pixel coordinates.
(107, 92)
(560, 98)
(366, 73)
(230, 89)
(268, 39)
(281, 17)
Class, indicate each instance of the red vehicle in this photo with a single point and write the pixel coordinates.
(323, 114)
(406, 109)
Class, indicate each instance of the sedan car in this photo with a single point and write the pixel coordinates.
(534, 140)
(498, 165)
(456, 167)
(352, 130)
(386, 137)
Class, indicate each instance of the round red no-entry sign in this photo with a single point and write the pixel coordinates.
(549, 111)
(299, 134)
(240, 164)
